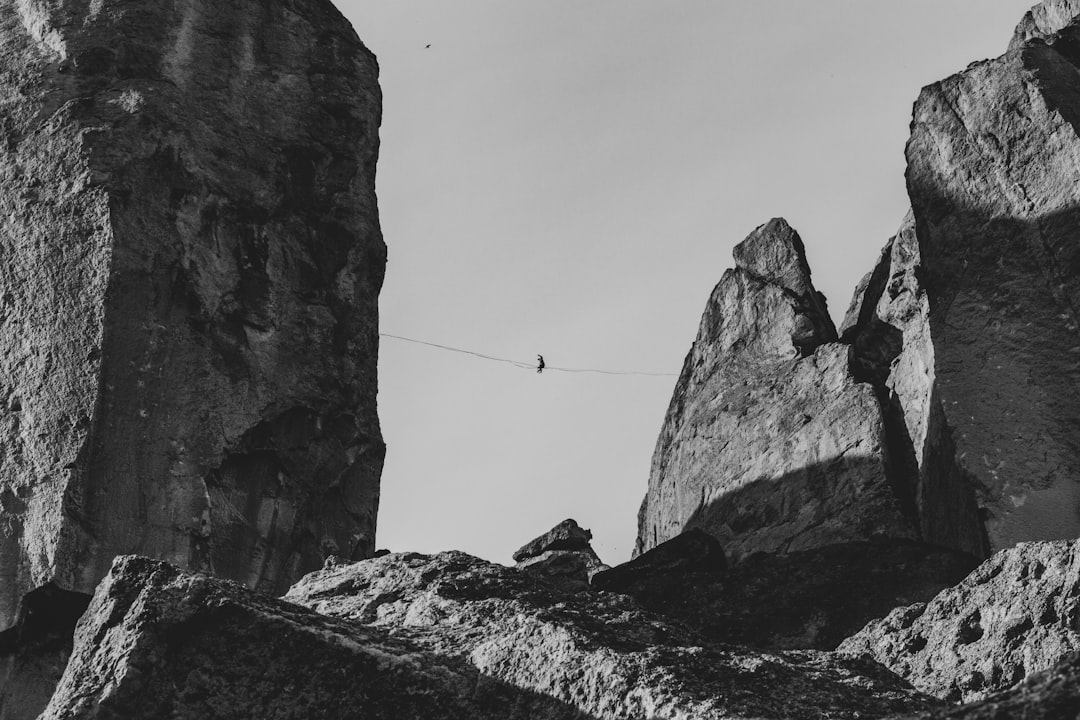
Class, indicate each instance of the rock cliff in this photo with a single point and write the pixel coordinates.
(770, 442)
(191, 262)
(986, 293)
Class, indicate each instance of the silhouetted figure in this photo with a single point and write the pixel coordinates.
(540, 363)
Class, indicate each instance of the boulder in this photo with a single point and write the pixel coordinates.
(1017, 614)
(192, 259)
(811, 599)
(561, 556)
(567, 535)
(770, 443)
(598, 652)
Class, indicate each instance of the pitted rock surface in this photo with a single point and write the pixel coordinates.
(596, 651)
(1017, 614)
(994, 180)
(770, 444)
(191, 263)
(1044, 20)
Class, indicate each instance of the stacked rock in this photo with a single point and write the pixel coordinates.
(561, 556)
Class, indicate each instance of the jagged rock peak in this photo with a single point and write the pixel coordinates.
(1045, 19)
(765, 416)
(774, 252)
(1016, 614)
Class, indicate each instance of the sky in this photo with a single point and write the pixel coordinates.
(568, 178)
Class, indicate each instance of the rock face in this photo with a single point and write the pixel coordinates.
(1045, 19)
(812, 599)
(994, 180)
(191, 262)
(770, 444)
(597, 652)
(888, 328)
(562, 556)
(1017, 614)
(692, 551)
(1049, 695)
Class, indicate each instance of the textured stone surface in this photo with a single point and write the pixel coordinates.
(191, 261)
(1045, 19)
(1016, 614)
(158, 643)
(807, 600)
(994, 180)
(770, 443)
(888, 328)
(1052, 694)
(35, 651)
(595, 651)
(567, 535)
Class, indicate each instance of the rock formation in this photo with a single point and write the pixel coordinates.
(770, 443)
(981, 284)
(562, 556)
(1017, 614)
(192, 258)
(812, 599)
(1043, 20)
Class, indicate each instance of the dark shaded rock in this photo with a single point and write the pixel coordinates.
(812, 599)
(567, 535)
(1052, 694)
(691, 551)
(1044, 20)
(770, 443)
(159, 643)
(994, 180)
(192, 258)
(570, 569)
(35, 651)
(598, 652)
(1018, 613)
(892, 348)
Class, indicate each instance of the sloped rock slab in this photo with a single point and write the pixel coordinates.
(1017, 614)
(598, 652)
(807, 600)
(693, 550)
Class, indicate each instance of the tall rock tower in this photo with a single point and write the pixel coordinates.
(190, 259)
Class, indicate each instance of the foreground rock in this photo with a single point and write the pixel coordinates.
(770, 444)
(192, 259)
(812, 599)
(159, 643)
(597, 652)
(994, 180)
(1017, 614)
(562, 556)
(1049, 695)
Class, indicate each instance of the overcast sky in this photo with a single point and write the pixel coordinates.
(568, 177)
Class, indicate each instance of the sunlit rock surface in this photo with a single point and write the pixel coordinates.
(770, 443)
(191, 262)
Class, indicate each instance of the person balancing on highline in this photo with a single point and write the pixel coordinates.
(540, 364)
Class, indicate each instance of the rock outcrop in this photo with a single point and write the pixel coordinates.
(1017, 614)
(812, 599)
(1049, 695)
(445, 636)
(1044, 20)
(191, 262)
(994, 180)
(562, 556)
(770, 443)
